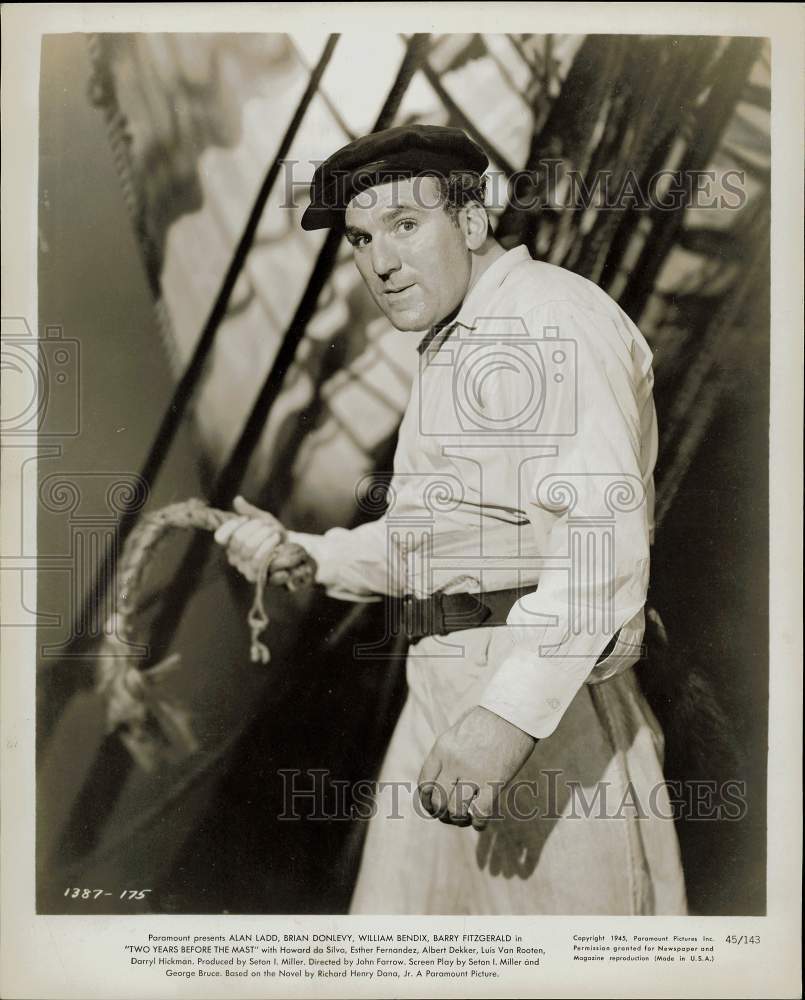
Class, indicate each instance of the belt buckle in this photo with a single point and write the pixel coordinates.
(423, 616)
(407, 616)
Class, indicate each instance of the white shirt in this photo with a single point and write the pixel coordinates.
(524, 457)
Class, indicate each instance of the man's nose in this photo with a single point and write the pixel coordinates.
(384, 259)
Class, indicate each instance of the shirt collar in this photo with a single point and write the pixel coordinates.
(472, 306)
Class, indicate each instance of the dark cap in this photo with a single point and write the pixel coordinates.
(404, 151)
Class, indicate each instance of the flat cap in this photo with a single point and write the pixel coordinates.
(404, 151)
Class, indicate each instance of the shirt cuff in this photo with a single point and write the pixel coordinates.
(316, 546)
(533, 693)
(332, 552)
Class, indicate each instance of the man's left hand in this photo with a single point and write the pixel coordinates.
(481, 751)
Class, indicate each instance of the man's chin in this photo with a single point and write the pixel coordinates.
(408, 320)
(409, 327)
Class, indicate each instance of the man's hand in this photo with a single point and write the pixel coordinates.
(249, 540)
(480, 752)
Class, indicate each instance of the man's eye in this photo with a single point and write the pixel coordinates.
(358, 241)
(406, 225)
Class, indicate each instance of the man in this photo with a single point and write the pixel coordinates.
(516, 549)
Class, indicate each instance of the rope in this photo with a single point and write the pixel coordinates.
(258, 619)
(150, 725)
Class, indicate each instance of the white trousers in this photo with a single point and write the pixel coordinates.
(585, 827)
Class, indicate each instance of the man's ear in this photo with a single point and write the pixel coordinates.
(475, 224)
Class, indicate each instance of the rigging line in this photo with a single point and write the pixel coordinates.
(192, 373)
(338, 118)
(182, 585)
(505, 74)
(712, 119)
(189, 380)
(495, 154)
(533, 68)
(235, 467)
(724, 337)
(233, 471)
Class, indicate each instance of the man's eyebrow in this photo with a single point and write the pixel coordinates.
(351, 232)
(389, 215)
(392, 213)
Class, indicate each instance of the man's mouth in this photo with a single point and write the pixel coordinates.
(398, 291)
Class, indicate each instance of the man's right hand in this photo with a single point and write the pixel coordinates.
(251, 537)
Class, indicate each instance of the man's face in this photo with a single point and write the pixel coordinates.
(411, 254)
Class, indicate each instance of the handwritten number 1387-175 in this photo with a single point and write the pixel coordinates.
(128, 894)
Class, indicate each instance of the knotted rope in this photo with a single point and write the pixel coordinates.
(149, 725)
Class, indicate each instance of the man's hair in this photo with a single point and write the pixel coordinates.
(460, 188)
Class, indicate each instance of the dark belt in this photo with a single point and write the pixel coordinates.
(441, 614)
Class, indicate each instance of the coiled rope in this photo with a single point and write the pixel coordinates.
(150, 725)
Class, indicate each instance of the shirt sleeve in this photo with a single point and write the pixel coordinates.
(350, 563)
(586, 483)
